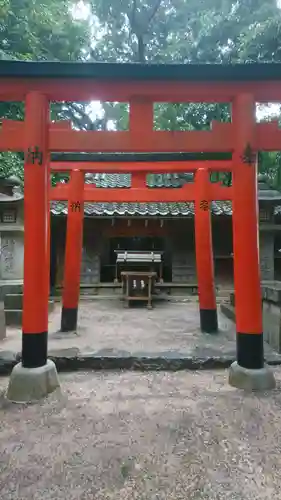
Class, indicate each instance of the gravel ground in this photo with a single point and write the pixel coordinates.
(106, 328)
(121, 436)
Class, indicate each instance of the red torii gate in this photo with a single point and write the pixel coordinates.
(201, 191)
(140, 85)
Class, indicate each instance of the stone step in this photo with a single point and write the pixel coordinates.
(13, 317)
(228, 310)
(10, 288)
(51, 306)
(14, 301)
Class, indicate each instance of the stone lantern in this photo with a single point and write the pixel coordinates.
(268, 198)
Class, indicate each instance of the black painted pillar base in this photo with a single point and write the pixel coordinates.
(69, 319)
(250, 352)
(34, 349)
(209, 320)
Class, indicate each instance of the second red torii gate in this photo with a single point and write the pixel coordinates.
(201, 191)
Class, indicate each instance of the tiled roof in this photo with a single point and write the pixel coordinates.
(152, 180)
(142, 209)
(102, 180)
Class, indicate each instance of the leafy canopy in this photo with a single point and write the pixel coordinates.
(162, 31)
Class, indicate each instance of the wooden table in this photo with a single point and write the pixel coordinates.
(138, 285)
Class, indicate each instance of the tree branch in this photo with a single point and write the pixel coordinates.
(141, 49)
(153, 12)
(88, 124)
(133, 16)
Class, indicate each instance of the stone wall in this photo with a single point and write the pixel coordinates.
(182, 244)
(92, 247)
(266, 250)
(90, 266)
(183, 267)
(271, 309)
(180, 241)
(12, 244)
(272, 315)
(11, 257)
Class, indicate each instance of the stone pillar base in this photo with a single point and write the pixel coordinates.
(251, 380)
(28, 385)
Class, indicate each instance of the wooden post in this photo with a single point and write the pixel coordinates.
(36, 278)
(204, 255)
(248, 300)
(73, 252)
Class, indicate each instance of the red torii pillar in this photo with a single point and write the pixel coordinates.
(73, 252)
(249, 372)
(49, 223)
(35, 376)
(36, 277)
(204, 255)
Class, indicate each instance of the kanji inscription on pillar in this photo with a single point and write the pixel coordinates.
(34, 156)
(75, 206)
(249, 155)
(204, 205)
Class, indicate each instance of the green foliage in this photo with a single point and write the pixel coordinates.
(186, 30)
(37, 30)
(11, 164)
(59, 177)
(162, 31)
(270, 166)
(41, 30)
(191, 116)
(200, 31)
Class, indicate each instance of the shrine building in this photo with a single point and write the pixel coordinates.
(140, 228)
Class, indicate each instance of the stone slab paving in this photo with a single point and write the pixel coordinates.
(143, 436)
(111, 336)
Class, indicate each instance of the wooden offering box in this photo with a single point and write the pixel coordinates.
(138, 286)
